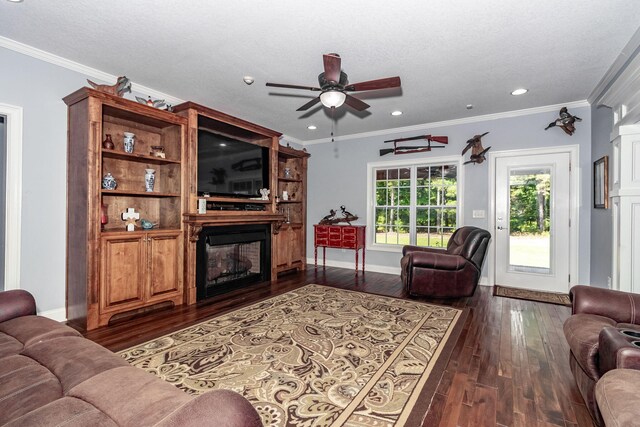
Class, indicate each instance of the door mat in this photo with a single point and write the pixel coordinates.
(315, 356)
(530, 295)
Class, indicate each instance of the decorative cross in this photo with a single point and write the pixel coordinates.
(130, 216)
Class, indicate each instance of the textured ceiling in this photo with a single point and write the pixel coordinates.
(448, 53)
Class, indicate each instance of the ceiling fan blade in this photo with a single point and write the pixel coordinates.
(309, 104)
(386, 83)
(332, 63)
(315, 89)
(355, 103)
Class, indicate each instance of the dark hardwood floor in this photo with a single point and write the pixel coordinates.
(510, 366)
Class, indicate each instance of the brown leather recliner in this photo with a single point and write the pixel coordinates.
(446, 273)
(601, 333)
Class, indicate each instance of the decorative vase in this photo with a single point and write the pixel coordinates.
(108, 142)
(104, 218)
(129, 142)
(109, 182)
(149, 179)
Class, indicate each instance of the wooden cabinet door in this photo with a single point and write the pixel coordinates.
(289, 247)
(123, 273)
(281, 248)
(297, 255)
(165, 264)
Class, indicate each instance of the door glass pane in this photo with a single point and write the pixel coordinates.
(530, 220)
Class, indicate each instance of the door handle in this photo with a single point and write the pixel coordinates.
(499, 228)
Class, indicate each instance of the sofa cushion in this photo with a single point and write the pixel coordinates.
(32, 329)
(9, 345)
(26, 385)
(131, 396)
(88, 359)
(68, 412)
(617, 396)
(231, 410)
(582, 331)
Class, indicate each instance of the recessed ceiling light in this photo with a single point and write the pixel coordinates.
(520, 91)
(396, 113)
(469, 106)
(312, 127)
(222, 144)
(15, 1)
(248, 80)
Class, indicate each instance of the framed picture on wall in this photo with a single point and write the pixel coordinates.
(601, 183)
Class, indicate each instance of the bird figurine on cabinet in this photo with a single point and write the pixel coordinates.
(122, 85)
(566, 122)
(155, 103)
(347, 216)
(477, 150)
(328, 219)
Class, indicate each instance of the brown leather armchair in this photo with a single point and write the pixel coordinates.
(602, 333)
(446, 273)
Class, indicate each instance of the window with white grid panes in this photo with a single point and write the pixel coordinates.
(415, 204)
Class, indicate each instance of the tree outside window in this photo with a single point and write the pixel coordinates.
(430, 219)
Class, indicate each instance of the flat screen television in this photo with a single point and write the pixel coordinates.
(230, 167)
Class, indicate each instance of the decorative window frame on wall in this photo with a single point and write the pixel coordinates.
(412, 163)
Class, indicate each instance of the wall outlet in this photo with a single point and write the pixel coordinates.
(478, 213)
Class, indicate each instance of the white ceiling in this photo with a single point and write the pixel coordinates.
(447, 53)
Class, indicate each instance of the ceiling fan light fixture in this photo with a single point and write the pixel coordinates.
(332, 98)
(520, 91)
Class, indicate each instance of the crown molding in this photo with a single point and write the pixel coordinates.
(287, 138)
(454, 122)
(628, 53)
(82, 69)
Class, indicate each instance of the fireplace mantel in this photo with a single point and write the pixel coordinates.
(195, 222)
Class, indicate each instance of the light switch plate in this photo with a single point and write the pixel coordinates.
(478, 213)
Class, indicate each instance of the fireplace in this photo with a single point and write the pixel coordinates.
(230, 257)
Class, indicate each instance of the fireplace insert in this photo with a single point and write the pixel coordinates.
(230, 257)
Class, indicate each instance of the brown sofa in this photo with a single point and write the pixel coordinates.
(601, 332)
(617, 395)
(446, 273)
(50, 375)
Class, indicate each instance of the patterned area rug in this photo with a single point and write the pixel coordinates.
(550, 297)
(315, 356)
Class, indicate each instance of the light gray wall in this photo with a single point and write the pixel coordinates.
(601, 219)
(338, 173)
(3, 192)
(38, 87)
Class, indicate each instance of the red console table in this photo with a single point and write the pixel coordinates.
(339, 236)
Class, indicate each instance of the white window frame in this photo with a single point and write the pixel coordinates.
(403, 163)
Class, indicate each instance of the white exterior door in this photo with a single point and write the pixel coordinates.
(532, 234)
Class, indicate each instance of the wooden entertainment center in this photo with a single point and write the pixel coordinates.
(115, 273)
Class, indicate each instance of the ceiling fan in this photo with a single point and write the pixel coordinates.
(334, 85)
